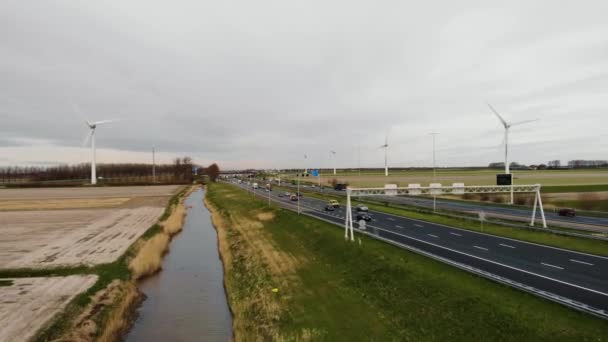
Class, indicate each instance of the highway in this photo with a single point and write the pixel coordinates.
(516, 213)
(576, 279)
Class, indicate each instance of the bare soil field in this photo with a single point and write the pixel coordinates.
(30, 303)
(93, 192)
(50, 227)
(70, 237)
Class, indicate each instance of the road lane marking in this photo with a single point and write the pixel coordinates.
(399, 227)
(483, 248)
(581, 262)
(488, 260)
(544, 263)
(391, 219)
(508, 246)
(452, 233)
(431, 235)
(418, 225)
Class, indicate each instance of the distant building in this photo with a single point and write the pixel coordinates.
(587, 163)
(554, 164)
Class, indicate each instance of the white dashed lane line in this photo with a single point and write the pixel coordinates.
(418, 225)
(508, 246)
(482, 248)
(431, 235)
(560, 268)
(391, 219)
(399, 227)
(452, 233)
(581, 262)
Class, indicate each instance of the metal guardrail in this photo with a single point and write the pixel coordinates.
(490, 276)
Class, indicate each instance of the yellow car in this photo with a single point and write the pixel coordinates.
(334, 203)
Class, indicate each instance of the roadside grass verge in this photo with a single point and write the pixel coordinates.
(330, 289)
(591, 246)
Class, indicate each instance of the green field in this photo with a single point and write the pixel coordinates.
(330, 289)
(554, 178)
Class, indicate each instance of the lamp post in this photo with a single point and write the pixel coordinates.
(434, 170)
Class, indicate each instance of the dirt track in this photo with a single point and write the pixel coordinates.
(30, 303)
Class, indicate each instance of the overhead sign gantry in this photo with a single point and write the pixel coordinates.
(438, 190)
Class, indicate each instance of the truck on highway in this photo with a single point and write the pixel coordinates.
(255, 185)
(340, 186)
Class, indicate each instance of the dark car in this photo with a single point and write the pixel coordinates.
(293, 198)
(568, 212)
(329, 207)
(362, 208)
(364, 217)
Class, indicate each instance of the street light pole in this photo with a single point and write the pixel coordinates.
(434, 171)
(153, 165)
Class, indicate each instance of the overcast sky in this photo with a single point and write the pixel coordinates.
(261, 83)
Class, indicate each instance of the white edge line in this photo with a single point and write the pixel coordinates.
(495, 262)
(495, 236)
(486, 260)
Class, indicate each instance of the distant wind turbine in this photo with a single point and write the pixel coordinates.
(507, 126)
(91, 137)
(385, 147)
(333, 153)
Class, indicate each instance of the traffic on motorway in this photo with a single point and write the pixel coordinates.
(572, 278)
(590, 223)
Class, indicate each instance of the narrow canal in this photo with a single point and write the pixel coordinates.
(186, 300)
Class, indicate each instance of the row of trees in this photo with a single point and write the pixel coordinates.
(181, 170)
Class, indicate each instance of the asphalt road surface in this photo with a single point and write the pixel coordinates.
(572, 278)
(514, 213)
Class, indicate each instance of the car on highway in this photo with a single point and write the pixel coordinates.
(362, 208)
(281, 194)
(329, 207)
(568, 212)
(287, 193)
(334, 203)
(293, 198)
(364, 216)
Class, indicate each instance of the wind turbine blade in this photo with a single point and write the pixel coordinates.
(498, 116)
(104, 121)
(87, 139)
(88, 123)
(523, 122)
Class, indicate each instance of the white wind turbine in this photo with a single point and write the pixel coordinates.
(507, 126)
(333, 154)
(91, 137)
(385, 147)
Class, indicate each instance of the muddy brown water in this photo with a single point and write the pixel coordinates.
(186, 300)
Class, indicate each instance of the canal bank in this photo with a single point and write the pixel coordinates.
(186, 301)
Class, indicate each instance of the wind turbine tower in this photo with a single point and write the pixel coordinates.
(508, 126)
(91, 137)
(385, 147)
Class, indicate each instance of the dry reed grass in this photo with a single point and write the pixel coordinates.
(249, 255)
(149, 258)
(175, 222)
